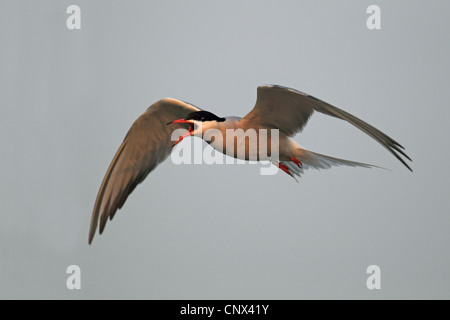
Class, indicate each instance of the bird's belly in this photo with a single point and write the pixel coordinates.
(245, 145)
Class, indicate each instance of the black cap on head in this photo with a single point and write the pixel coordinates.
(203, 116)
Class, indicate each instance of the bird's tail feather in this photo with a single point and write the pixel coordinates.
(313, 160)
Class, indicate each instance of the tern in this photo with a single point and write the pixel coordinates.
(149, 141)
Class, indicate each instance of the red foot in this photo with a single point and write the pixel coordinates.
(297, 162)
(285, 169)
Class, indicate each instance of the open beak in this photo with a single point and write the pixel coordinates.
(187, 134)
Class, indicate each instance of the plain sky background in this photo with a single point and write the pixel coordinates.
(67, 99)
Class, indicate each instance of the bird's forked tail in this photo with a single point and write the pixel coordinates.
(317, 161)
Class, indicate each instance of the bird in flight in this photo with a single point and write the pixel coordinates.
(149, 141)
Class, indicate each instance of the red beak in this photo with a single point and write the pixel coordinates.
(187, 134)
(180, 121)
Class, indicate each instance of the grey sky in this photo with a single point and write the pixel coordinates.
(224, 232)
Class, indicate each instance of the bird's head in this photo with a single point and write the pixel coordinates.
(198, 119)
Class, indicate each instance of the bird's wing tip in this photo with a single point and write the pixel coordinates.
(91, 237)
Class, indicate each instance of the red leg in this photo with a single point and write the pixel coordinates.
(297, 162)
(285, 169)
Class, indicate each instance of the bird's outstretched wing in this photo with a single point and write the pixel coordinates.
(288, 110)
(147, 144)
